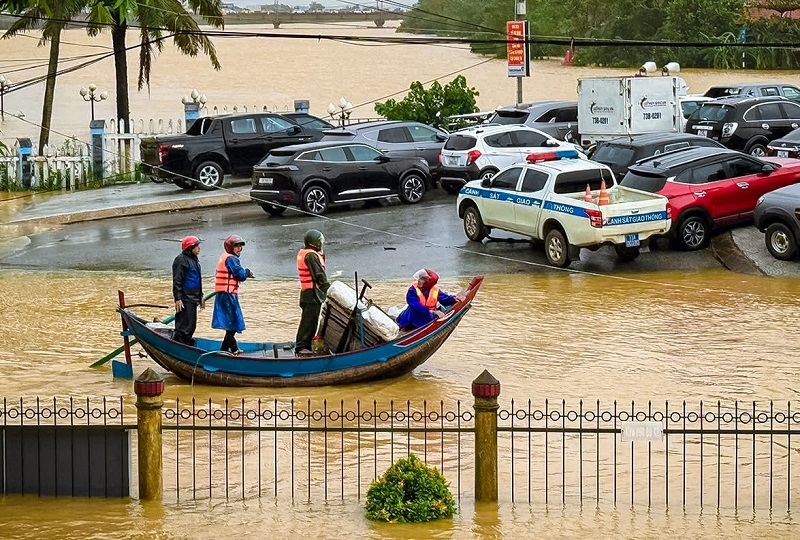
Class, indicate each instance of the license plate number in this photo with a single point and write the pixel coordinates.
(632, 240)
(783, 153)
(452, 160)
(703, 133)
(265, 181)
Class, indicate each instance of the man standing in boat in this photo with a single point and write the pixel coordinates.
(187, 290)
(423, 299)
(313, 288)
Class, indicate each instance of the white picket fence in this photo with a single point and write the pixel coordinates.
(56, 168)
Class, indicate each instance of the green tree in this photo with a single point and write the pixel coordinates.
(54, 14)
(434, 105)
(701, 20)
(156, 19)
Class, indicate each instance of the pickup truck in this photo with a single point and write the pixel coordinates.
(545, 198)
(217, 145)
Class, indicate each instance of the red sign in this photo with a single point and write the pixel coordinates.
(517, 49)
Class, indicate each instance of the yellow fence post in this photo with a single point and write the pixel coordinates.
(148, 388)
(485, 389)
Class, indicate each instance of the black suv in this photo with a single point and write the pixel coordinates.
(746, 124)
(621, 153)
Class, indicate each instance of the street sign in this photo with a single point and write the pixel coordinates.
(517, 49)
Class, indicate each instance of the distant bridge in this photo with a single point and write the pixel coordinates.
(277, 19)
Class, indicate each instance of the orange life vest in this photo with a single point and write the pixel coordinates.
(302, 268)
(433, 296)
(223, 279)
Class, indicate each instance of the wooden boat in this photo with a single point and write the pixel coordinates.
(276, 365)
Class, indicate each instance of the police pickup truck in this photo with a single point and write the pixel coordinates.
(545, 198)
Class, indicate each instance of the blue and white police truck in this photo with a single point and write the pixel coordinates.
(546, 198)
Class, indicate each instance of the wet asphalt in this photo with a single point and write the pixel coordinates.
(137, 228)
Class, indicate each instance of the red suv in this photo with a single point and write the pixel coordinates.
(709, 187)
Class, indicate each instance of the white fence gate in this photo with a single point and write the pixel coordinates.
(67, 167)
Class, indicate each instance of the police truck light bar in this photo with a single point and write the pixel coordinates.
(551, 156)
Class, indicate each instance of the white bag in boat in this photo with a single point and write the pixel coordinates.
(375, 319)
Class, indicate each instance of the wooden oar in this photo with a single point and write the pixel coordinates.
(133, 341)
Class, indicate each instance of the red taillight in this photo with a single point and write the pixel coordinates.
(595, 217)
(440, 158)
(472, 156)
(162, 152)
(669, 211)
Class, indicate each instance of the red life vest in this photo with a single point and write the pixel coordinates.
(302, 268)
(223, 279)
(433, 296)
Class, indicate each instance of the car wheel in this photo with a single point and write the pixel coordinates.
(780, 241)
(487, 174)
(451, 189)
(412, 188)
(183, 183)
(626, 253)
(473, 225)
(209, 175)
(556, 249)
(757, 150)
(693, 233)
(315, 200)
(272, 209)
(156, 179)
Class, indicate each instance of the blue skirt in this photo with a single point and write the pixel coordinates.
(227, 313)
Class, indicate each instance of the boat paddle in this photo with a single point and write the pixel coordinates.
(133, 341)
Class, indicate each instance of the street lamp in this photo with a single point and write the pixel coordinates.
(90, 94)
(191, 106)
(342, 111)
(5, 84)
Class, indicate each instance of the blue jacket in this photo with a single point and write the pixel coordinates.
(416, 314)
(227, 312)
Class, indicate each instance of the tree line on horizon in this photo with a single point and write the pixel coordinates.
(719, 22)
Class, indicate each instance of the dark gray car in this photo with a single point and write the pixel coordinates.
(559, 119)
(789, 91)
(777, 214)
(396, 139)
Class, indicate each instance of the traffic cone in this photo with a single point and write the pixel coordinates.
(603, 194)
(588, 196)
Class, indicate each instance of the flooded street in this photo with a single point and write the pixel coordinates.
(597, 334)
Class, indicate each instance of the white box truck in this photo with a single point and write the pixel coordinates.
(610, 107)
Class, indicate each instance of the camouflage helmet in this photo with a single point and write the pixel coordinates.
(314, 239)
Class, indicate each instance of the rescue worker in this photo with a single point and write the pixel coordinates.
(313, 288)
(423, 299)
(187, 290)
(227, 312)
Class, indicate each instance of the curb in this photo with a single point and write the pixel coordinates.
(731, 256)
(135, 210)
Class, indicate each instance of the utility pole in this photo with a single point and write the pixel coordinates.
(519, 14)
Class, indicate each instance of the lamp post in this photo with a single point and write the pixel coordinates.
(341, 112)
(91, 95)
(5, 84)
(191, 106)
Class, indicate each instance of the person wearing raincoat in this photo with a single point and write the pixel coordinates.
(424, 298)
(227, 312)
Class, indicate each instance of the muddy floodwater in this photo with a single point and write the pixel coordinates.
(706, 335)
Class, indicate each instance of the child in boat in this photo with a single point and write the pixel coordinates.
(423, 299)
(187, 290)
(227, 312)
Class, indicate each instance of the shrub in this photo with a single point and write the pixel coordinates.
(410, 492)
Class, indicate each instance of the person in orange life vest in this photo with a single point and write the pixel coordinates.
(313, 288)
(187, 290)
(422, 298)
(227, 312)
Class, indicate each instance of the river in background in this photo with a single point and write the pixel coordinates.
(657, 336)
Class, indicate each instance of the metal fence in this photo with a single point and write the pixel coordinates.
(720, 455)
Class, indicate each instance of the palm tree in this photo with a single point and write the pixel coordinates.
(54, 14)
(156, 20)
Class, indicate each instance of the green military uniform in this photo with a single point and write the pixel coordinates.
(311, 299)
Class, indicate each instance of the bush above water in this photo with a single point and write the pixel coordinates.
(410, 492)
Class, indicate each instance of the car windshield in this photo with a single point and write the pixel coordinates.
(576, 181)
(722, 91)
(277, 157)
(793, 136)
(712, 113)
(610, 154)
(652, 183)
(460, 142)
(509, 117)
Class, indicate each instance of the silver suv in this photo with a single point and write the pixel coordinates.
(559, 119)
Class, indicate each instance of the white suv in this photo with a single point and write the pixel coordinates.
(477, 153)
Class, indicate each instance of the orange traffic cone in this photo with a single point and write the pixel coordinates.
(588, 196)
(603, 194)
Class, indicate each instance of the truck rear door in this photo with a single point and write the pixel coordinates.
(243, 143)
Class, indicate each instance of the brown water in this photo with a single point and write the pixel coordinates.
(705, 335)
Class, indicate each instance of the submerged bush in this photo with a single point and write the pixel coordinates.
(410, 492)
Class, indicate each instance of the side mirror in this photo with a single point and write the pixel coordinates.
(486, 182)
(767, 168)
(294, 130)
(440, 137)
(550, 142)
(382, 158)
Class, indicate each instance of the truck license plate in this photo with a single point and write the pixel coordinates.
(783, 153)
(632, 240)
(265, 181)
